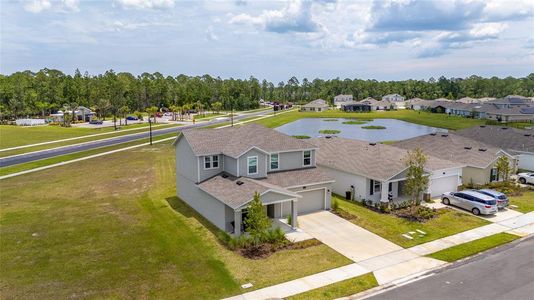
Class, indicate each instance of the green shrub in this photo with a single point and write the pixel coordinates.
(301, 137)
(373, 127)
(329, 131)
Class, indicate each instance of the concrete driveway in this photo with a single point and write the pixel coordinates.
(346, 238)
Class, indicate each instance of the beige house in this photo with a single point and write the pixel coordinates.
(479, 159)
(316, 105)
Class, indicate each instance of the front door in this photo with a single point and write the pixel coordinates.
(270, 211)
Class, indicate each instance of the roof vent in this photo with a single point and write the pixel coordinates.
(528, 134)
(432, 134)
(372, 144)
(504, 128)
(239, 182)
(224, 175)
(482, 149)
(482, 126)
(444, 135)
(468, 148)
(328, 137)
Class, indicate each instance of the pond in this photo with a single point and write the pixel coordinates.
(394, 130)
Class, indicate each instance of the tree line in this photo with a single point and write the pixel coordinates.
(30, 93)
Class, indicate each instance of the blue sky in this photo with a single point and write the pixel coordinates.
(384, 40)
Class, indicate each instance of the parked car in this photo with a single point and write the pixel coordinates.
(473, 201)
(525, 178)
(96, 122)
(131, 118)
(502, 200)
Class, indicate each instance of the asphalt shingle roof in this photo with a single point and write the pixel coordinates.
(298, 177)
(509, 139)
(453, 147)
(378, 161)
(233, 141)
(317, 103)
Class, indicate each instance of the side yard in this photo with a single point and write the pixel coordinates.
(119, 231)
(392, 228)
(524, 203)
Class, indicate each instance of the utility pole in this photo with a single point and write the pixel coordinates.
(232, 112)
(150, 129)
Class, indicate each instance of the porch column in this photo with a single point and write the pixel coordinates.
(294, 214)
(384, 191)
(237, 222)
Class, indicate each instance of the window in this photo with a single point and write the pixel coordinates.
(274, 161)
(377, 185)
(252, 165)
(211, 162)
(307, 158)
(494, 176)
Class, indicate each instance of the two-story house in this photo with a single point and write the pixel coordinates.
(219, 170)
(340, 100)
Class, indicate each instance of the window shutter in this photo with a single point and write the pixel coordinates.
(372, 187)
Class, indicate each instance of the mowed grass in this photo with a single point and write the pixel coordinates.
(473, 247)
(13, 136)
(390, 227)
(417, 117)
(340, 289)
(112, 227)
(524, 203)
(136, 129)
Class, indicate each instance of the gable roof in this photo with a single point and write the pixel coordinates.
(224, 187)
(509, 139)
(378, 161)
(316, 103)
(234, 141)
(455, 148)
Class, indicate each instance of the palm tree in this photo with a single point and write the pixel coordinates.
(124, 111)
(185, 110)
(152, 110)
(174, 109)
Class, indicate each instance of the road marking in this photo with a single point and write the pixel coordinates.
(82, 158)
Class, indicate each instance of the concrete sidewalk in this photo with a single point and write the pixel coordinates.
(390, 267)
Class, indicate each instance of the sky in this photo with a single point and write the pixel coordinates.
(273, 40)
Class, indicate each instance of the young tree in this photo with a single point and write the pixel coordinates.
(256, 221)
(174, 109)
(503, 168)
(124, 111)
(152, 112)
(217, 106)
(416, 181)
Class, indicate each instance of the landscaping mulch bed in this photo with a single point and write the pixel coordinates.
(265, 250)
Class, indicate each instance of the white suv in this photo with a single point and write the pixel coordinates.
(526, 178)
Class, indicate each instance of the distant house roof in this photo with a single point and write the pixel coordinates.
(378, 161)
(234, 141)
(317, 103)
(509, 139)
(369, 100)
(455, 148)
(392, 95)
(225, 188)
(343, 96)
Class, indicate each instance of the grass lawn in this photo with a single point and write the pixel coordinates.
(112, 227)
(137, 129)
(390, 227)
(423, 118)
(524, 203)
(13, 136)
(474, 247)
(340, 289)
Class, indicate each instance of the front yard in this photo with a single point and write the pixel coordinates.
(392, 228)
(111, 227)
(524, 203)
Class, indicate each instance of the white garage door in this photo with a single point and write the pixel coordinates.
(444, 184)
(311, 201)
(526, 161)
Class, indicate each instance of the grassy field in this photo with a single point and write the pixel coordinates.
(524, 203)
(423, 118)
(112, 227)
(340, 289)
(13, 136)
(474, 247)
(391, 227)
(83, 140)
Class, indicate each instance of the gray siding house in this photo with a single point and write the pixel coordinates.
(218, 171)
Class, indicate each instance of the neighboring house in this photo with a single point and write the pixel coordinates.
(219, 170)
(416, 103)
(383, 105)
(339, 100)
(373, 171)
(468, 100)
(511, 101)
(393, 98)
(369, 100)
(81, 113)
(356, 107)
(479, 158)
(315, 105)
(518, 142)
(513, 114)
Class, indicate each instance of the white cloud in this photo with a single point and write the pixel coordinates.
(146, 4)
(210, 35)
(295, 16)
(72, 5)
(37, 6)
(487, 30)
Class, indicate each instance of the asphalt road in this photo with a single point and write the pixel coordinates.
(29, 157)
(503, 273)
